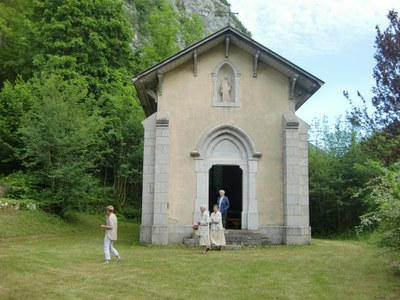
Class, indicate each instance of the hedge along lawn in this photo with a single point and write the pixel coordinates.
(66, 262)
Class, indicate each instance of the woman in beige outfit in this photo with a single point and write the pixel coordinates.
(217, 231)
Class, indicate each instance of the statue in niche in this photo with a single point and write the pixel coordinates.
(225, 90)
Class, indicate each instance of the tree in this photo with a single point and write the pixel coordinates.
(15, 102)
(90, 37)
(382, 193)
(386, 97)
(61, 139)
(121, 165)
(86, 43)
(383, 215)
(160, 35)
(162, 31)
(338, 167)
(383, 126)
(15, 44)
(90, 40)
(192, 29)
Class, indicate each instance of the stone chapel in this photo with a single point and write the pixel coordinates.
(221, 114)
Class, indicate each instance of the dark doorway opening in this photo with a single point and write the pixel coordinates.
(229, 179)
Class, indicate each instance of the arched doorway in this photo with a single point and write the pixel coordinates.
(232, 149)
(230, 179)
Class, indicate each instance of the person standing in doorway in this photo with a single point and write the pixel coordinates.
(110, 237)
(223, 204)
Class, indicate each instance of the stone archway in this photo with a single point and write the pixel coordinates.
(227, 144)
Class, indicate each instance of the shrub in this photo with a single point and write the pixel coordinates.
(132, 213)
(384, 209)
(18, 185)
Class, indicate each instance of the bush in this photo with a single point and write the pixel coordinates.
(132, 213)
(18, 186)
(384, 209)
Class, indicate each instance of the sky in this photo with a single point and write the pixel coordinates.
(331, 39)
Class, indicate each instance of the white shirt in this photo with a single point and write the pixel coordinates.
(112, 227)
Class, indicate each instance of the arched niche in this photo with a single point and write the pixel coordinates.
(226, 83)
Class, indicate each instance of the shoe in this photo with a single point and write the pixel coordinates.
(106, 262)
(118, 259)
(208, 249)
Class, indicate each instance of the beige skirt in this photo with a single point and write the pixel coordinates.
(204, 240)
(218, 238)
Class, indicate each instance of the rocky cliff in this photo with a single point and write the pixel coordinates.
(214, 14)
(163, 27)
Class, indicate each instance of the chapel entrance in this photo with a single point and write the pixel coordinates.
(229, 179)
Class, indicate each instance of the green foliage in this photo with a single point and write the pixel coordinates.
(70, 117)
(93, 42)
(384, 208)
(89, 37)
(123, 142)
(19, 185)
(61, 138)
(386, 98)
(192, 29)
(77, 117)
(383, 125)
(15, 102)
(382, 140)
(15, 46)
(132, 213)
(338, 168)
(161, 30)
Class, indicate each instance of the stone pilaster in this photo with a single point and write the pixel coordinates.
(295, 164)
(148, 179)
(160, 215)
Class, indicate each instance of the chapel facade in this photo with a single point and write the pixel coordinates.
(221, 115)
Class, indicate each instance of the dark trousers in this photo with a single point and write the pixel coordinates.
(224, 219)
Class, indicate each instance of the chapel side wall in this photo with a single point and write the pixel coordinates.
(188, 100)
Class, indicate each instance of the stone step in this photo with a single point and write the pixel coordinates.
(245, 237)
(235, 239)
(192, 241)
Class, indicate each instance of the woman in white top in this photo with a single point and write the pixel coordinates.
(217, 230)
(110, 237)
(204, 229)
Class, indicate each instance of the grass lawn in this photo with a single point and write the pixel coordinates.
(43, 258)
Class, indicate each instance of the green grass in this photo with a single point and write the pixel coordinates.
(43, 258)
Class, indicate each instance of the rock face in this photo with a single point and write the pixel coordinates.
(214, 13)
